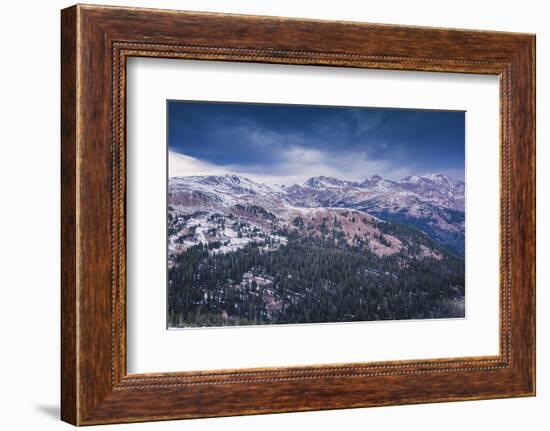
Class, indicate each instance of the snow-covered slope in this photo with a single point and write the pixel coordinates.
(437, 189)
(432, 203)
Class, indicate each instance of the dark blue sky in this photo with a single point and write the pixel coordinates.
(289, 142)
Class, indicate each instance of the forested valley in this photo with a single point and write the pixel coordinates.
(311, 280)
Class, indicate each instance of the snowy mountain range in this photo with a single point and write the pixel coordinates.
(231, 211)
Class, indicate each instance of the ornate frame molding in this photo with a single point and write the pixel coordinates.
(96, 41)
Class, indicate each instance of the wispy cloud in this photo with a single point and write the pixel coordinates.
(296, 165)
(365, 121)
(181, 165)
(289, 157)
(287, 145)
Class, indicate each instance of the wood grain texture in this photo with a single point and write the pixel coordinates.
(96, 41)
(69, 397)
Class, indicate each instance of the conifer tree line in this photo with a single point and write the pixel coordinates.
(314, 279)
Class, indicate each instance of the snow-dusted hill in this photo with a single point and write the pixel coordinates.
(231, 211)
(436, 189)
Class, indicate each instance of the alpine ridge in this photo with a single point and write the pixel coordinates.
(432, 204)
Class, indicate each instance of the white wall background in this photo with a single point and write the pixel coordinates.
(29, 215)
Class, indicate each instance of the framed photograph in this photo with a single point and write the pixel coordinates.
(263, 214)
(272, 221)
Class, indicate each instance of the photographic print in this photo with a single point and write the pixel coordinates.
(295, 214)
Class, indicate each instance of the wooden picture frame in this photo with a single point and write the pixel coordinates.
(95, 43)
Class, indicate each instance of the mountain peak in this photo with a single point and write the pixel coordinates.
(234, 177)
(325, 182)
(220, 179)
(432, 177)
(411, 179)
(437, 177)
(379, 184)
(226, 183)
